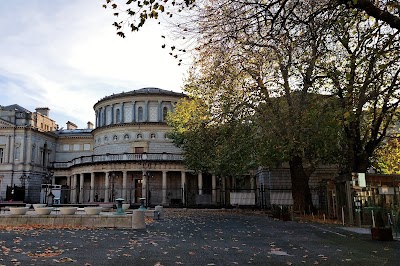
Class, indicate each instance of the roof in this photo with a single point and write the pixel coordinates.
(73, 131)
(143, 91)
(16, 107)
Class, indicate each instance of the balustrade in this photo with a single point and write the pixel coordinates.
(118, 157)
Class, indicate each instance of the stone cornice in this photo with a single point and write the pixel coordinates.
(130, 124)
(142, 92)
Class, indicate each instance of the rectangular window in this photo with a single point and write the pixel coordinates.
(86, 147)
(66, 147)
(77, 147)
(139, 149)
(1, 155)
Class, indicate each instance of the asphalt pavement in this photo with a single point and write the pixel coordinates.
(198, 238)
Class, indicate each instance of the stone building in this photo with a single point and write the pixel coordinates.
(27, 147)
(126, 154)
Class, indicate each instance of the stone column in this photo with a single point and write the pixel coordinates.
(74, 188)
(10, 152)
(106, 186)
(200, 182)
(29, 150)
(95, 121)
(22, 149)
(97, 117)
(92, 186)
(105, 115)
(122, 113)
(81, 182)
(101, 119)
(69, 183)
(124, 187)
(252, 183)
(214, 188)
(160, 113)
(112, 115)
(146, 111)
(164, 187)
(134, 111)
(183, 182)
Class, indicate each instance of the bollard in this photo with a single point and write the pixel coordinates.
(160, 210)
(138, 220)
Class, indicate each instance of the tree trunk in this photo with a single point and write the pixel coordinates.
(301, 193)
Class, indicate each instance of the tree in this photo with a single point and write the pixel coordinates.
(274, 95)
(223, 149)
(293, 49)
(136, 13)
(386, 11)
(362, 66)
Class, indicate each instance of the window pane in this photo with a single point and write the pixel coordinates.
(139, 149)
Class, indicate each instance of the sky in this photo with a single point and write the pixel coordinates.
(66, 55)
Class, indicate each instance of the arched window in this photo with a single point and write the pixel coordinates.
(164, 113)
(118, 116)
(140, 114)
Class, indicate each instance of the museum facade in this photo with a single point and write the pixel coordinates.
(125, 154)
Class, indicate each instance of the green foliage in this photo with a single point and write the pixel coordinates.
(315, 138)
(220, 148)
(387, 157)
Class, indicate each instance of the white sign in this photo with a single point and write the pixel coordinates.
(361, 180)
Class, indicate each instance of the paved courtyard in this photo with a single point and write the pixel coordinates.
(198, 238)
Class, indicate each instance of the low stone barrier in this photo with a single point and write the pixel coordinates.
(85, 220)
(138, 221)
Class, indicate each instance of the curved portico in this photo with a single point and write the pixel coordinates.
(130, 155)
(160, 182)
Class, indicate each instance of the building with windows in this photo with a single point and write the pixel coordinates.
(126, 154)
(27, 148)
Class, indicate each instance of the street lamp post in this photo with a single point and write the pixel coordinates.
(47, 181)
(23, 180)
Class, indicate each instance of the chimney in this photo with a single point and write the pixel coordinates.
(43, 110)
(71, 126)
(89, 125)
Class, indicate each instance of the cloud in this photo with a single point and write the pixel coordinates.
(65, 55)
